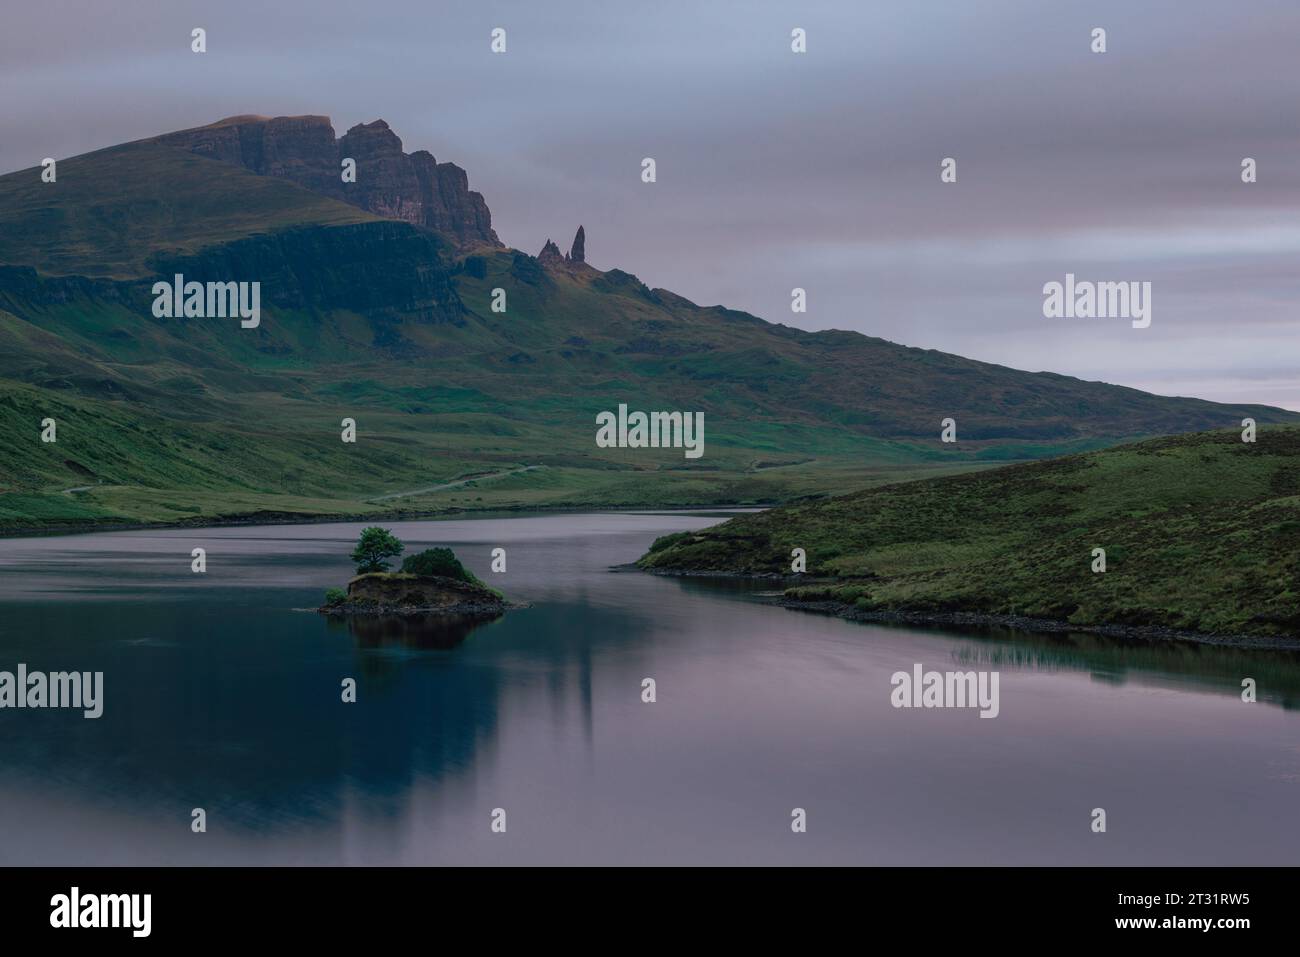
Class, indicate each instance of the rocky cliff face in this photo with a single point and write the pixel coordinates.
(411, 187)
(550, 255)
(387, 272)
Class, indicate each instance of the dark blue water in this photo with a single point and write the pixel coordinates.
(219, 694)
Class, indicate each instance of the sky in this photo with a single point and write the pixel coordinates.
(778, 170)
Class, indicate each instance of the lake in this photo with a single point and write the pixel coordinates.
(222, 693)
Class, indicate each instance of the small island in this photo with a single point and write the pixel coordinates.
(432, 582)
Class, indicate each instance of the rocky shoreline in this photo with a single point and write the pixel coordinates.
(398, 594)
(379, 610)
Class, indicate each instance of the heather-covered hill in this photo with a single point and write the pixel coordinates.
(1201, 533)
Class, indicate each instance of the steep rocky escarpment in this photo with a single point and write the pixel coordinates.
(389, 182)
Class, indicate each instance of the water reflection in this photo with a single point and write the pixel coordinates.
(219, 694)
(1170, 664)
(429, 632)
(1162, 663)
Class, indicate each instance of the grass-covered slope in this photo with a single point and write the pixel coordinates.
(109, 211)
(457, 406)
(1201, 533)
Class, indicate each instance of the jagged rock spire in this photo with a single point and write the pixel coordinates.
(578, 253)
(550, 253)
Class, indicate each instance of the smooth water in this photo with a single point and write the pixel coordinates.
(219, 694)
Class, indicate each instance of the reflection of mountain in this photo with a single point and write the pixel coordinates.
(214, 718)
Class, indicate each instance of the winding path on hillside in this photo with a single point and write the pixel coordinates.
(456, 484)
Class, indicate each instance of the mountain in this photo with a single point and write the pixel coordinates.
(377, 305)
(1201, 533)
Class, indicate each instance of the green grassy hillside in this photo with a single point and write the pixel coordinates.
(457, 406)
(109, 212)
(1201, 533)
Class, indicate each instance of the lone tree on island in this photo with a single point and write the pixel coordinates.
(373, 548)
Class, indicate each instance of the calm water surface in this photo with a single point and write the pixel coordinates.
(220, 694)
